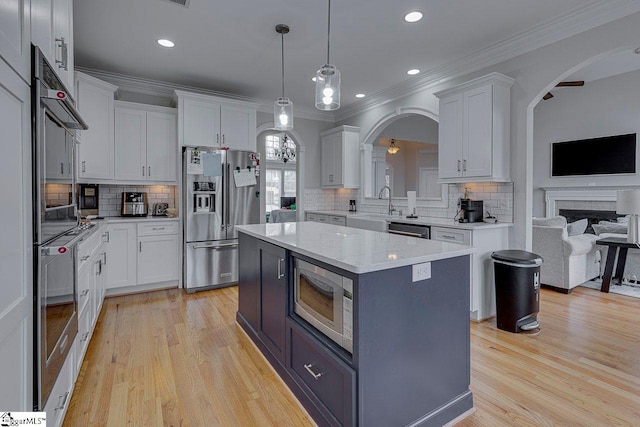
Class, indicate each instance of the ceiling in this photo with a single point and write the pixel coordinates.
(232, 46)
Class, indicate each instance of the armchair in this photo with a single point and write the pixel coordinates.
(568, 260)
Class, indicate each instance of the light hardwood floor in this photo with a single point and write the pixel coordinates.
(170, 359)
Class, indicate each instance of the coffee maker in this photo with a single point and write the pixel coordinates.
(88, 196)
(472, 210)
(134, 204)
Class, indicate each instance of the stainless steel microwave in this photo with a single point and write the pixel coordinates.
(325, 300)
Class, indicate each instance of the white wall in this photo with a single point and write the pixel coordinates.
(536, 73)
(609, 106)
(413, 128)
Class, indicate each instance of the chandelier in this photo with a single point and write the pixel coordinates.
(286, 151)
(393, 148)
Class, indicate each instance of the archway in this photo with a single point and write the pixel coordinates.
(300, 162)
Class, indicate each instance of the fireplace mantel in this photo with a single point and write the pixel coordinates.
(588, 193)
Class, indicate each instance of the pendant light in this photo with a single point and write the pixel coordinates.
(283, 107)
(393, 148)
(328, 79)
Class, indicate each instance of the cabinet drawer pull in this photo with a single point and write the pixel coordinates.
(62, 399)
(84, 166)
(139, 246)
(61, 168)
(157, 228)
(280, 273)
(464, 165)
(313, 374)
(84, 258)
(142, 170)
(86, 291)
(445, 236)
(148, 170)
(84, 337)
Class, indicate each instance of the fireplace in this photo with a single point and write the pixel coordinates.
(592, 216)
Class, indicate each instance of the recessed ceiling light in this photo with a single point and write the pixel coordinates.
(413, 71)
(360, 95)
(166, 43)
(413, 16)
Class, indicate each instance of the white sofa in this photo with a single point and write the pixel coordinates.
(568, 260)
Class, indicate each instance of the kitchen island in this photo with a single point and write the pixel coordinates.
(409, 363)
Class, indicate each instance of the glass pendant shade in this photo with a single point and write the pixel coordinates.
(283, 114)
(328, 88)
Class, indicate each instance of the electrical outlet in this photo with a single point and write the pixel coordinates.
(421, 271)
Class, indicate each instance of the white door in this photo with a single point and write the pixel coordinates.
(201, 123)
(162, 147)
(238, 128)
(16, 265)
(62, 41)
(477, 147)
(131, 144)
(121, 255)
(450, 137)
(157, 258)
(15, 36)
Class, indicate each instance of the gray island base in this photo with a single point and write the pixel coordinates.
(410, 364)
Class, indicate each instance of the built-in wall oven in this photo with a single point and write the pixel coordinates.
(325, 300)
(56, 228)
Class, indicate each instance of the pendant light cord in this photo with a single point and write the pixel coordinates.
(328, 31)
(282, 37)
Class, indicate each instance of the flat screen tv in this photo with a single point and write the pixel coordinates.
(596, 156)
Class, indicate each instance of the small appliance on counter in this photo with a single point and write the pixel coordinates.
(88, 195)
(160, 209)
(134, 204)
(472, 210)
(352, 205)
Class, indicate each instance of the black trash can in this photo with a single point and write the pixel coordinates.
(517, 280)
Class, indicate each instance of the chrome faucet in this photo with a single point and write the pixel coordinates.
(391, 208)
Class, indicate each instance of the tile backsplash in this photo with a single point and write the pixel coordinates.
(110, 200)
(497, 198)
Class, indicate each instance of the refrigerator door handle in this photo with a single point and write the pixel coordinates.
(225, 245)
(227, 207)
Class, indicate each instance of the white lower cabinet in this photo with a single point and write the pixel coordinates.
(326, 219)
(60, 396)
(121, 253)
(142, 254)
(482, 298)
(157, 258)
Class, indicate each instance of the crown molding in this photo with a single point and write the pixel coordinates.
(164, 89)
(548, 33)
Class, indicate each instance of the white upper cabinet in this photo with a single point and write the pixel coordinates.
(145, 143)
(15, 36)
(95, 152)
(52, 32)
(341, 157)
(208, 121)
(474, 129)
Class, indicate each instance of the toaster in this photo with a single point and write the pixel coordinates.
(160, 209)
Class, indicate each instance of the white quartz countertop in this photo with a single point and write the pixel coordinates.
(353, 249)
(447, 222)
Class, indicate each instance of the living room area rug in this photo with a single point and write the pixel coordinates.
(629, 290)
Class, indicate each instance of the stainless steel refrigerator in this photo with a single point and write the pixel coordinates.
(221, 189)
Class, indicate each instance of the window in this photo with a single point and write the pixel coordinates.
(280, 178)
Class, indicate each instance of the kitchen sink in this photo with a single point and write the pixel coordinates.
(368, 222)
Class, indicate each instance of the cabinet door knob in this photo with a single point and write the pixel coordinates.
(458, 165)
(84, 166)
(464, 165)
